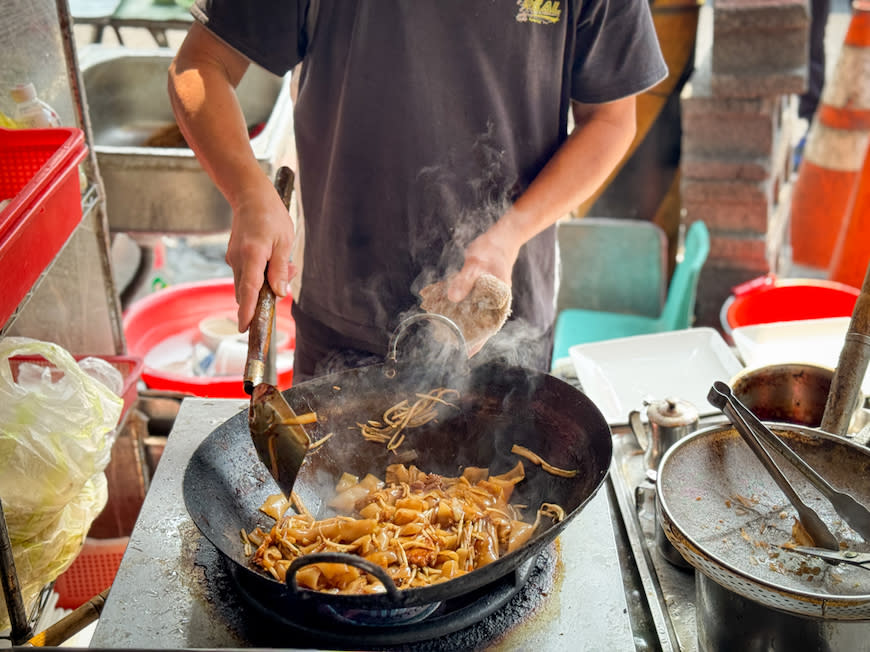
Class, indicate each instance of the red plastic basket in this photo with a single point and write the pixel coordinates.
(39, 174)
(768, 299)
(129, 366)
(92, 572)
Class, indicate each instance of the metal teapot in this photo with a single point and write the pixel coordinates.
(670, 420)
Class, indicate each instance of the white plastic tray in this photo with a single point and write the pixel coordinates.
(619, 374)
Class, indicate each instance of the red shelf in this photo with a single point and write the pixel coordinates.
(39, 174)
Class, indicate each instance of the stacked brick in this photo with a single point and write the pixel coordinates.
(738, 120)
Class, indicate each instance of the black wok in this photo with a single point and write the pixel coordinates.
(225, 484)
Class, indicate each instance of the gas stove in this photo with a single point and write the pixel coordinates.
(173, 589)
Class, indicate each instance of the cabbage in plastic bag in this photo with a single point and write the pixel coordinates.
(44, 558)
(56, 436)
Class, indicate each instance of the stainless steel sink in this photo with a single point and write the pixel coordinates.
(164, 189)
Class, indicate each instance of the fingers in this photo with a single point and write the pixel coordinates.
(279, 273)
(249, 280)
(460, 285)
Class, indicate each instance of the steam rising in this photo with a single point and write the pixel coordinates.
(486, 198)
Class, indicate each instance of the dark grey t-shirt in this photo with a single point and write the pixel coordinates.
(418, 121)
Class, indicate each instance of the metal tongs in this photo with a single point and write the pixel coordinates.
(754, 432)
(851, 557)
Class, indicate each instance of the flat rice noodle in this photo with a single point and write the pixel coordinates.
(406, 516)
(372, 510)
(383, 558)
(444, 514)
(275, 506)
(515, 475)
(450, 569)
(412, 503)
(345, 482)
(371, 482)
(475, 474)
(347, 499)
(338, 575)
(345, 530)
(308, 577)
(520, 533)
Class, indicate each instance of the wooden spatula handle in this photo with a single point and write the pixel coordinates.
(260, 330)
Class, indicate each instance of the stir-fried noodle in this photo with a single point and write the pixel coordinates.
(404, 415)
(422, 528)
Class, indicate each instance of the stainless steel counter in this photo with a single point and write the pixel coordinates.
(171, 591)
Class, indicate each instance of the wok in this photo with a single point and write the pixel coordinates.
(224, 483)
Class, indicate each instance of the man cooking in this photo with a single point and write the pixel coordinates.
(432, 138)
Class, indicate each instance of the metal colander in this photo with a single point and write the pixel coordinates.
(724, 513)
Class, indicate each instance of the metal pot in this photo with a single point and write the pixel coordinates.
(789, 392)
(670, 420)
(725, 514)
(728, 621)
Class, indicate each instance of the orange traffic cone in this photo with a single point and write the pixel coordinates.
(851, 257)
(835, 148)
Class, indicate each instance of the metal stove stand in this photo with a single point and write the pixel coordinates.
(172, 590)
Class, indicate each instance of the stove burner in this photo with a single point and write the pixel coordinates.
(467, 622)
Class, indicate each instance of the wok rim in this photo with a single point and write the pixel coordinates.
(821, 600)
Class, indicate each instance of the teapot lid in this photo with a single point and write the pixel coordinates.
(672, 412)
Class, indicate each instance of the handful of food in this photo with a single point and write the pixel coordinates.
(480, 315)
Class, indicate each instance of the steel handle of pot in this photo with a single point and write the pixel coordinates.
(638, 429)
(851, 367)
(853, 512)
(341, 558)
(393, 346)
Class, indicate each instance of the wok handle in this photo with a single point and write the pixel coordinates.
(342, 558)
(260, 331)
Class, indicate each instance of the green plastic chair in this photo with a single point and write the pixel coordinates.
(590, 279)
(578, 326)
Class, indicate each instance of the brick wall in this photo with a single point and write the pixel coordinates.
(738, 119)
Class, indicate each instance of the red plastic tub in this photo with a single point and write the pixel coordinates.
(173, 315)
(767, 300)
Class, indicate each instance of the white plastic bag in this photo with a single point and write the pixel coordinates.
(56, 436)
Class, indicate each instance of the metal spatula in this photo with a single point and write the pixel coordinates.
(279, 438)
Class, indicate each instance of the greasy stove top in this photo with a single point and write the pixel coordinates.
(173, 591)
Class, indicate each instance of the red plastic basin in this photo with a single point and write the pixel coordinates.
(768, 300)
(174, 314)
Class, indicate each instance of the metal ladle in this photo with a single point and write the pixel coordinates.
(720, 397)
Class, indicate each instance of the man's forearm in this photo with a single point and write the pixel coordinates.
(577, 169)
(202, 93)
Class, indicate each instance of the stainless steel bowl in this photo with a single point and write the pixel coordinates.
(794, 392)
(164, 189)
